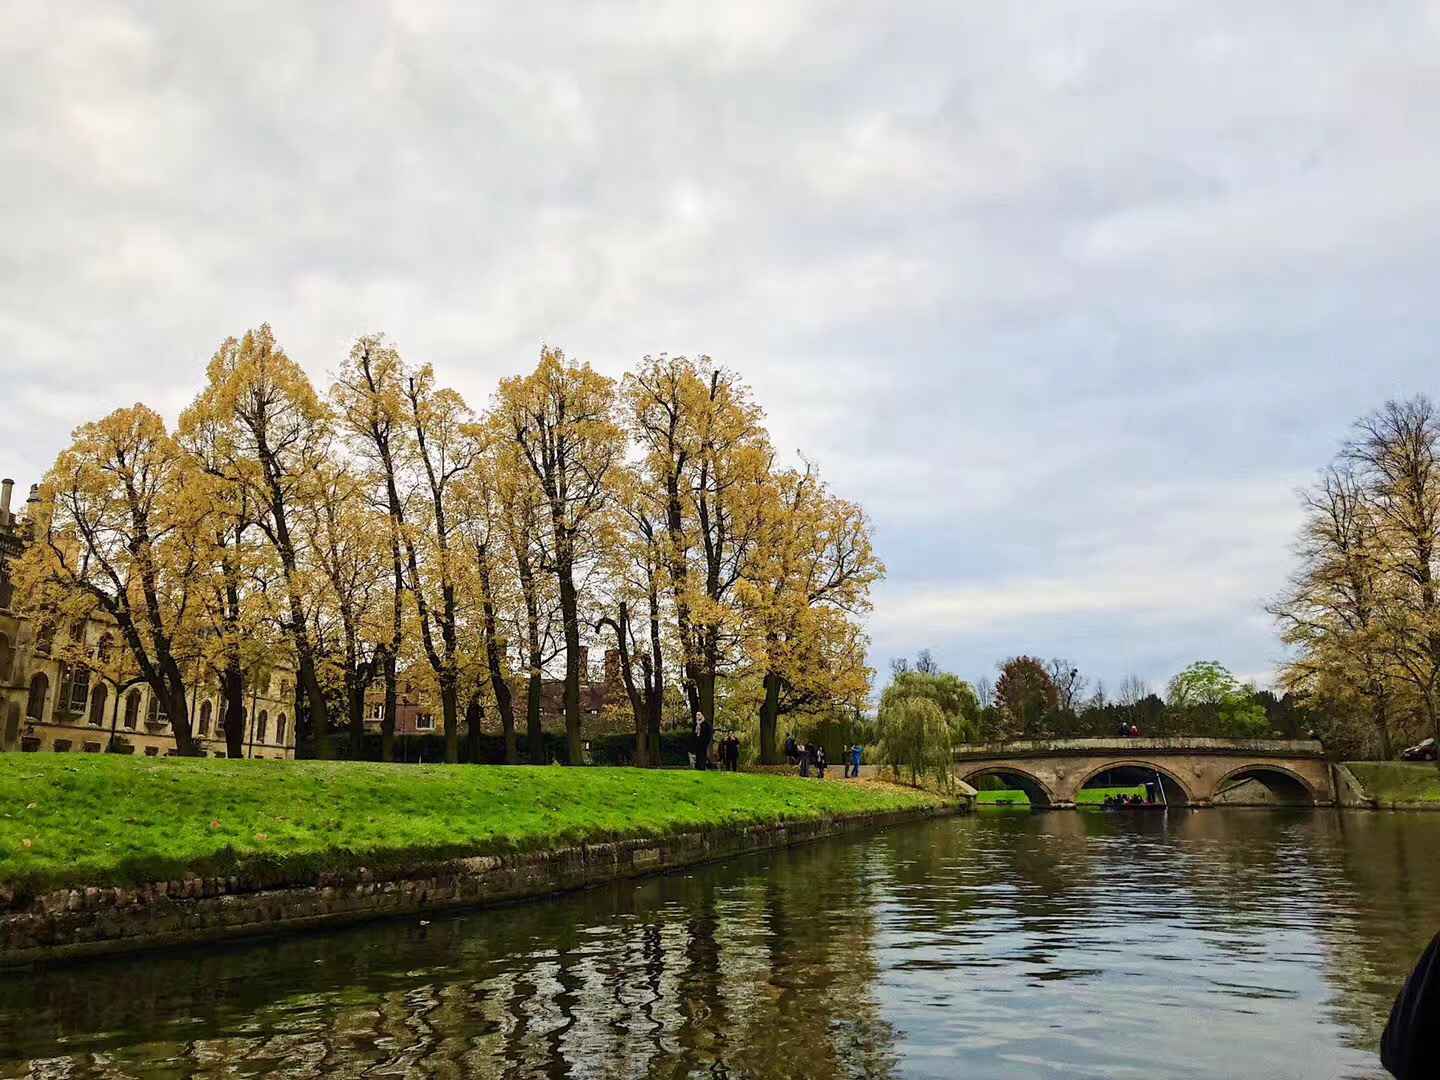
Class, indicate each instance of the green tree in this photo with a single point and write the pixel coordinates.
(1209, 683)
(952, 695)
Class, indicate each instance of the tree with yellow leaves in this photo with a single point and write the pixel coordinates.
(272, 436)
(561, 418)
(108, 538)
(706, 460)
(807, 582)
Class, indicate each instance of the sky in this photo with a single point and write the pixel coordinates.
(1070, 296)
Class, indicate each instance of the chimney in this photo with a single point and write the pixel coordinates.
(6, 487)
(34, 499)
(612, 667)
(584, 663)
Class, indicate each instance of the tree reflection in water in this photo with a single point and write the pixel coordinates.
(1264, 943)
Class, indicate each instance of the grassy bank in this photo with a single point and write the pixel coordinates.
(72, 819)
(1398, 781)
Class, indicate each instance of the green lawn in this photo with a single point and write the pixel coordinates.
(1016, 797)
(1398, 781)
(69, 819)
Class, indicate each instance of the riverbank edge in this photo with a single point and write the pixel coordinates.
(1353, 794)
(77, 923)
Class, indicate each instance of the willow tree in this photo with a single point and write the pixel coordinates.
(561, 418)
(109, 537)
(272, 436)
(807, 583)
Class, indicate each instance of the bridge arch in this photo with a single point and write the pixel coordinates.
(1036, 790)
(1284, 784)
(1176, 790)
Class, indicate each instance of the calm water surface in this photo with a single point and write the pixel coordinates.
(1215, 943)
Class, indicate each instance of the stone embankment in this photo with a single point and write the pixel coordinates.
(80, 922)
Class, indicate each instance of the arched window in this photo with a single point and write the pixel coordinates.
(77, 629)
(132, 709)
(7, 659)
(261, 724)
(45, 638)
(205, 718)
(155, 713)
(97, 706)
(39, 689)
(102, 649)
(74, 688)
(280, 729)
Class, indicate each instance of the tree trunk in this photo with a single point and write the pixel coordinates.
(570, 618)
(473, 714)
(1380, 717)
(450, 708)
(498, 686)
(387, 722)
(534, 736)
(770, 720)
(175, 704)
(315, 707)
(234, 721)
(357, 682)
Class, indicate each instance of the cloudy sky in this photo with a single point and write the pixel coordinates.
(1071, 296)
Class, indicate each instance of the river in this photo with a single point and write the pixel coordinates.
(1195, 944)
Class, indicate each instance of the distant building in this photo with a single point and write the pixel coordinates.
(604, 705)
(49, 704)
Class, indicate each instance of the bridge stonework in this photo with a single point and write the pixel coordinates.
(1197, 772)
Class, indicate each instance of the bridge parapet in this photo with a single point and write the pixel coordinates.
(1194, 771)
(1129, 746)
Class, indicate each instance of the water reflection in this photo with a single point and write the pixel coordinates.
(1244, 943)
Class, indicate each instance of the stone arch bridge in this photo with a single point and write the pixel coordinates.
(1191, 772)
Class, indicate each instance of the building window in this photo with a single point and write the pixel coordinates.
(77, 630)
(132, 709)
(377, 711)
(74, 688)
(205, 718)
(280, 729)
(97, 706)
(425, 722)
(39, 689)
(156, 713)
(45, 638)
(261, 724)
(102, 650)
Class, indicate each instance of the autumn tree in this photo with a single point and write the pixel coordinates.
(272, 437)
(634, 565)
(561, 418)
(1024, 694)
(707, 457)
(113, 509)
(1394, 454)
(806, 583)
(368, 396)
(1331, 614)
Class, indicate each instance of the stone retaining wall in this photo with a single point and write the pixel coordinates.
(93, 921)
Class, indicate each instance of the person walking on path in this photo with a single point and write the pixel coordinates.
(820, 762)
(704, 735)
(803, 753)
(790, 752)
(855, 761)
